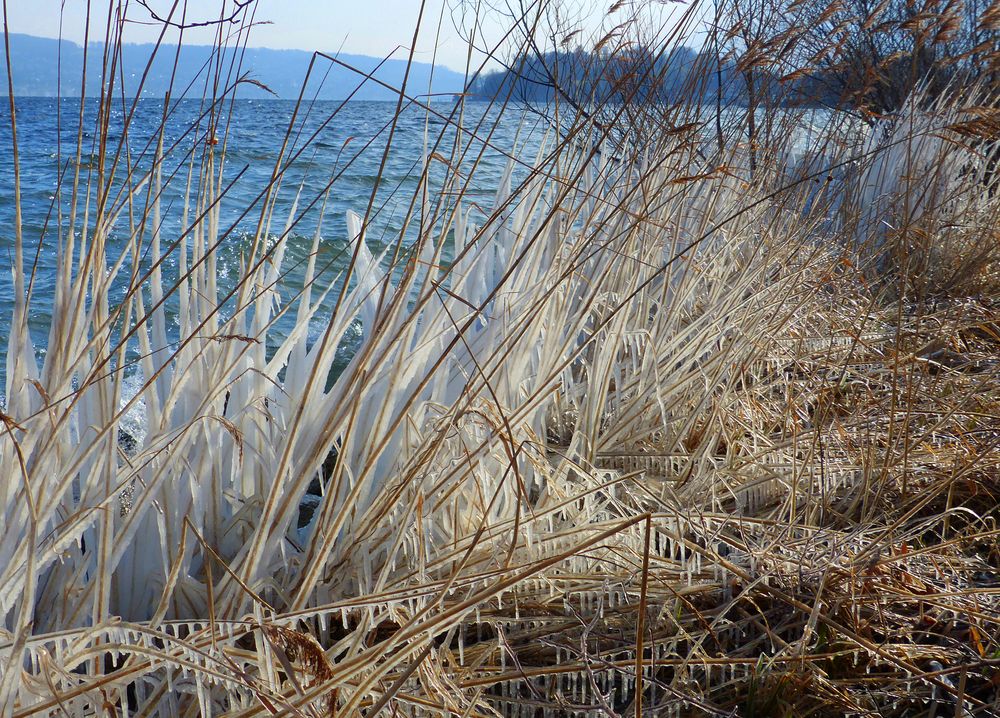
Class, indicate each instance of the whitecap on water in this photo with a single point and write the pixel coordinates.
(133, 422)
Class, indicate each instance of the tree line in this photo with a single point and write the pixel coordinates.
(864, 55)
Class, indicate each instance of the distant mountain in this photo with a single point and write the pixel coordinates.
(281, 71)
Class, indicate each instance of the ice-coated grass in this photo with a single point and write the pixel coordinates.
(659, 435)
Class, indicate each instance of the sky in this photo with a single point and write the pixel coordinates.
(366, 27)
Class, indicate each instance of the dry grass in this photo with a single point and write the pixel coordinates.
(663, 437)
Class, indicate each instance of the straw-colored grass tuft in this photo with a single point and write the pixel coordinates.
(677, 422)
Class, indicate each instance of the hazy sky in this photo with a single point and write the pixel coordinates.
(369, 27)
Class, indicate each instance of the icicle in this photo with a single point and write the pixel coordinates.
(203, 701)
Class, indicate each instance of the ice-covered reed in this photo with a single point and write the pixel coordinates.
(597, 434)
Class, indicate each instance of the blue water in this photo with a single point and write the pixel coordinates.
(340, 146)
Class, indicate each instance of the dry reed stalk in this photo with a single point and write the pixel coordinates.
(674, 425)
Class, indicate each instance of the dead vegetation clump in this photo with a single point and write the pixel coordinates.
(669, 426)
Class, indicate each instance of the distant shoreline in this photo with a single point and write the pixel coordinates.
(264, 72)
(328, 101)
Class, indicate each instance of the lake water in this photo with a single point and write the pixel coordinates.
(335, 145)
(343, 153)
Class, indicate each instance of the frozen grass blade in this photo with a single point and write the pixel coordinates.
(685, 418)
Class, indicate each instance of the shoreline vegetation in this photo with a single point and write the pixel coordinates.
(698, 414)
